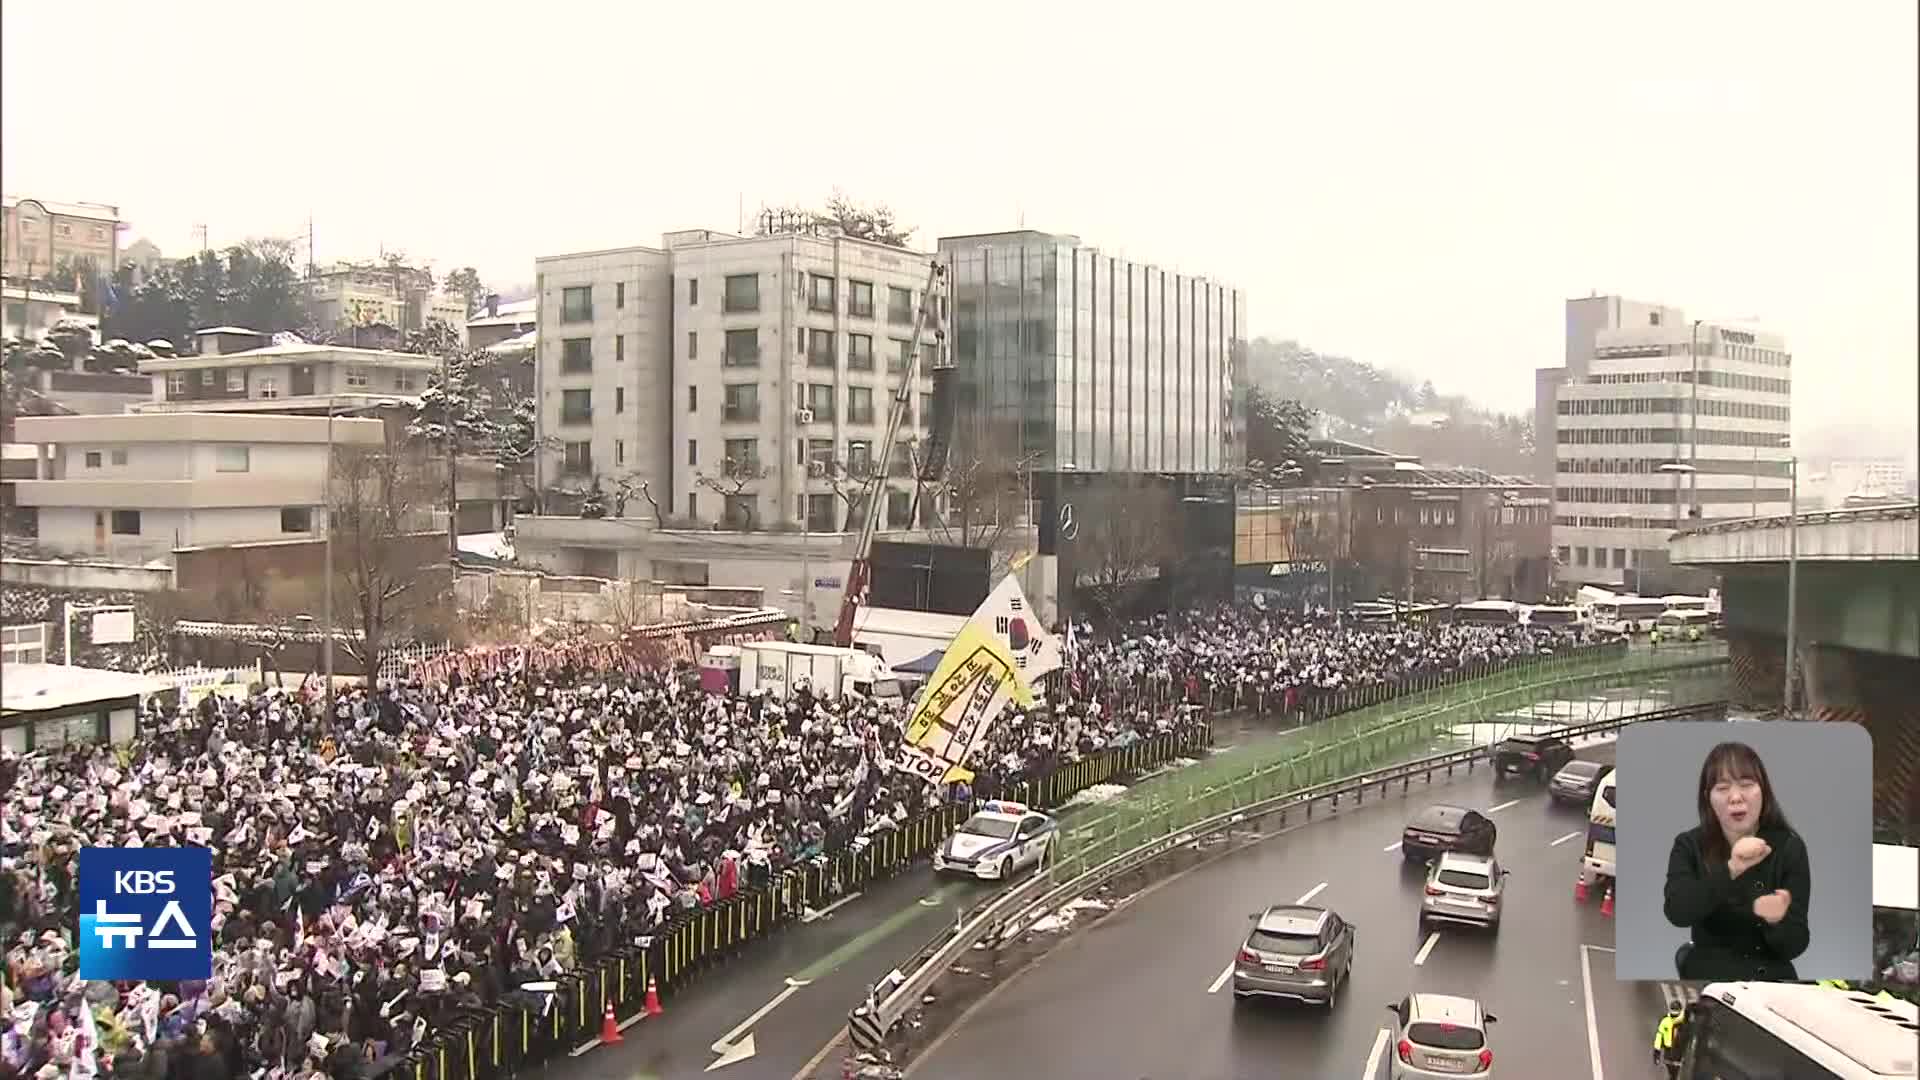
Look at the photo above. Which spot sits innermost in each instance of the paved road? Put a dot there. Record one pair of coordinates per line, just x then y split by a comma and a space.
1140, 995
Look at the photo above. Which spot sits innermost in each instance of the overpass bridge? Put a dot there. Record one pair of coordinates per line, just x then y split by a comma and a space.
1857, 625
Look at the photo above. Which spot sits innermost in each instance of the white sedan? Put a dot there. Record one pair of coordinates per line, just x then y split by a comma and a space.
996, 842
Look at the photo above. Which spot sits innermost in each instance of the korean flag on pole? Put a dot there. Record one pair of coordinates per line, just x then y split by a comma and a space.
1006, 615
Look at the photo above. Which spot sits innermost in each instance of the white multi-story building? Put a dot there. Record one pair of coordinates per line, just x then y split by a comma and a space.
282, 378
1642, 447
742, 379
1861, 478
136, 486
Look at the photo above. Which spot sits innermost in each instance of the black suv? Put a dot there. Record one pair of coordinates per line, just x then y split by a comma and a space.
1446, 828
1535, 756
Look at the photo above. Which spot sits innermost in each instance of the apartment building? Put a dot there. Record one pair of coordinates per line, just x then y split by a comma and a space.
37, 236
1656, 421
299, 378
745, 380
136, 486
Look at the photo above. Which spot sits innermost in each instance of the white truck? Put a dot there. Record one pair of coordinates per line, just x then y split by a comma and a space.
779, 667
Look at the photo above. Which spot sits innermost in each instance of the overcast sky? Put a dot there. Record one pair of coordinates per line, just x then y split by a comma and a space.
1419, 185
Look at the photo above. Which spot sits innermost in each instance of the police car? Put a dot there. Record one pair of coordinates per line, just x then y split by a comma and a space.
996, 842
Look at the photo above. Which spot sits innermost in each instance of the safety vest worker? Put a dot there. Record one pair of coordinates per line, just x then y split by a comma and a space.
1664, 1048
1693, 633
1653, 638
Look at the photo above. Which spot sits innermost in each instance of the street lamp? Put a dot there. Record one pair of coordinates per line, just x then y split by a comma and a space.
1793, 575
1678, 469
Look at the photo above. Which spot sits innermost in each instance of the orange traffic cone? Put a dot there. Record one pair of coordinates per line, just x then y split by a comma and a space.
1606, 905
610, 1028
1580, 889
653, 998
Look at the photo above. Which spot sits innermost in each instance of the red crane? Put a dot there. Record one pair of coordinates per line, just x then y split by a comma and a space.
860, 574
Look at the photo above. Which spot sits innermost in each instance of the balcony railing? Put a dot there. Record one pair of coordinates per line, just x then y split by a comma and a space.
576, 416
860, 311
741, 357
736, 414
859, 416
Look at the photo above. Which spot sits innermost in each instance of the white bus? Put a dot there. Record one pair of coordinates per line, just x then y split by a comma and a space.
1597, 864
1553, 617
1488, 613
1794, 1031
1627, 614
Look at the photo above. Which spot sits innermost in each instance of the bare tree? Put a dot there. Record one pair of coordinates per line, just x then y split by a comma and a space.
1126, 534
738, 486
984, 496
382, 497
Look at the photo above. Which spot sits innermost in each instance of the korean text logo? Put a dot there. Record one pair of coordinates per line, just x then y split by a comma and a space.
146, 913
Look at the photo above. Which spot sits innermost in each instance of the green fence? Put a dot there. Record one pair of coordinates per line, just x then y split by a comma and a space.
507, 1037
1362, 741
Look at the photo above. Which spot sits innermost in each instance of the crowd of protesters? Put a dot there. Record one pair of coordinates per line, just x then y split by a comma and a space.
426, 849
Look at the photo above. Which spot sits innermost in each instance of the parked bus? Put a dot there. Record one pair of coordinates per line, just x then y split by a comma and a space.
1627, 614
1553, 617
1597, 863
1488, 613
1684, 625
1753, 1030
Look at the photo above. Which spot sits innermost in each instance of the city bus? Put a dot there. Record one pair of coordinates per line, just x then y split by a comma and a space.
1552, 617
1597, 863
1764, 1031
1627, 614
1488, 613
1684, 625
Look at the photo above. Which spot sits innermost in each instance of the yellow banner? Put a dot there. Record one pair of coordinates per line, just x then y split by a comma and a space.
976, 680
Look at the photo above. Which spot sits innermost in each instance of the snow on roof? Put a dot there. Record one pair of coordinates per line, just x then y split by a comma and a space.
528, 340
38, 687
93, 211
491, 545
228, 330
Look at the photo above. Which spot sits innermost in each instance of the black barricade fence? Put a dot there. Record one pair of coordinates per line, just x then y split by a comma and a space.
517, 1033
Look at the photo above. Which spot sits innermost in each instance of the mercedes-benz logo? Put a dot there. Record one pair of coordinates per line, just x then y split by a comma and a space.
1069, 528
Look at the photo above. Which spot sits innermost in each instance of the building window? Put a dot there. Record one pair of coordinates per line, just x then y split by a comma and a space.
576, 304
693, 344
742, 293
860, 299
901, 463
860, 352
738, 510
899, 306
93, 459
693, 505
820, 401
859, 404
820, 513
357, 378
269, 387
619, 294
206, 376
176, 384
1580, 556
296, 519
231, 459
619, 399
926, 409
899, 510
576, 406
576, 356
118, 455
126, 523
860, 458
740, 401
693, 451
619, 348
619, 451
236, 381
819, 292
899, 356
1564, 554
742, 348
820, 348
693, 292
742, 458
1620, 558
25, 644
404, 381
693, 399
577, 459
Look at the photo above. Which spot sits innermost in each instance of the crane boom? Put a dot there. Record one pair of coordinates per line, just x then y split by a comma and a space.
860, 574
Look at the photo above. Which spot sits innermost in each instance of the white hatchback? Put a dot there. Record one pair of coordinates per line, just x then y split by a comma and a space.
1438, 1035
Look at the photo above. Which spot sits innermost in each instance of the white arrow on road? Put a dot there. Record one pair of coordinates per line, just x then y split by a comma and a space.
811, 915
735, 1046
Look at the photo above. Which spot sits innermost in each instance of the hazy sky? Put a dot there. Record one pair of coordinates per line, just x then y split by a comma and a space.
1419, 185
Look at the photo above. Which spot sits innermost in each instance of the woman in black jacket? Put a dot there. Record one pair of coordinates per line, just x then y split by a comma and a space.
1740, 880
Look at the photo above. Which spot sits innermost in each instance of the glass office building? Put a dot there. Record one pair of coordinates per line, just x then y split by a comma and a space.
1072, 360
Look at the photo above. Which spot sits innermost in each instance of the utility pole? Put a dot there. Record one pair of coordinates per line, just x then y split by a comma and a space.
1693, 423
309, 245
453, 457
202, 229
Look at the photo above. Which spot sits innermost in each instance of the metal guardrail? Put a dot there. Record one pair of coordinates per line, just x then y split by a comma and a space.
994, 921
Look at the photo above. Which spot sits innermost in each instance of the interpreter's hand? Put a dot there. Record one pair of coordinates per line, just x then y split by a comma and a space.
1747, 853
1773, 906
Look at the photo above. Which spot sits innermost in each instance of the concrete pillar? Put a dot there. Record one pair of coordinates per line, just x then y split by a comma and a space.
1876, 691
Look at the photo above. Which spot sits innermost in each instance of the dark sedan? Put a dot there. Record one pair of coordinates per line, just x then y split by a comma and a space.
1446, 828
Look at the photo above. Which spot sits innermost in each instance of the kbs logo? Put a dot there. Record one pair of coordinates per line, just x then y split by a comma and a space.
146, 913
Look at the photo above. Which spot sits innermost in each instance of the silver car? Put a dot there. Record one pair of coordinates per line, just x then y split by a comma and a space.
1463, 888
1438, 1035
1297, 952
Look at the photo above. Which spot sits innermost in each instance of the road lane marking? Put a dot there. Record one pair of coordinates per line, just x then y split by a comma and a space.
1564, 839
811, 914
737, 1045
1373, 1057
1395, 846
1420, 957
872, 936
1311, 893
1220, 980
1503, 806
1593, 1030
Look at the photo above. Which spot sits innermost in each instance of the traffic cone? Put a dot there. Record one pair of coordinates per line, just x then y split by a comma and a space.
1580, 889
653, 998
1606, 905
610, 1028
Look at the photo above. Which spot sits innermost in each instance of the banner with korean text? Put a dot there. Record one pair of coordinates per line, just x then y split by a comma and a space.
976, 680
